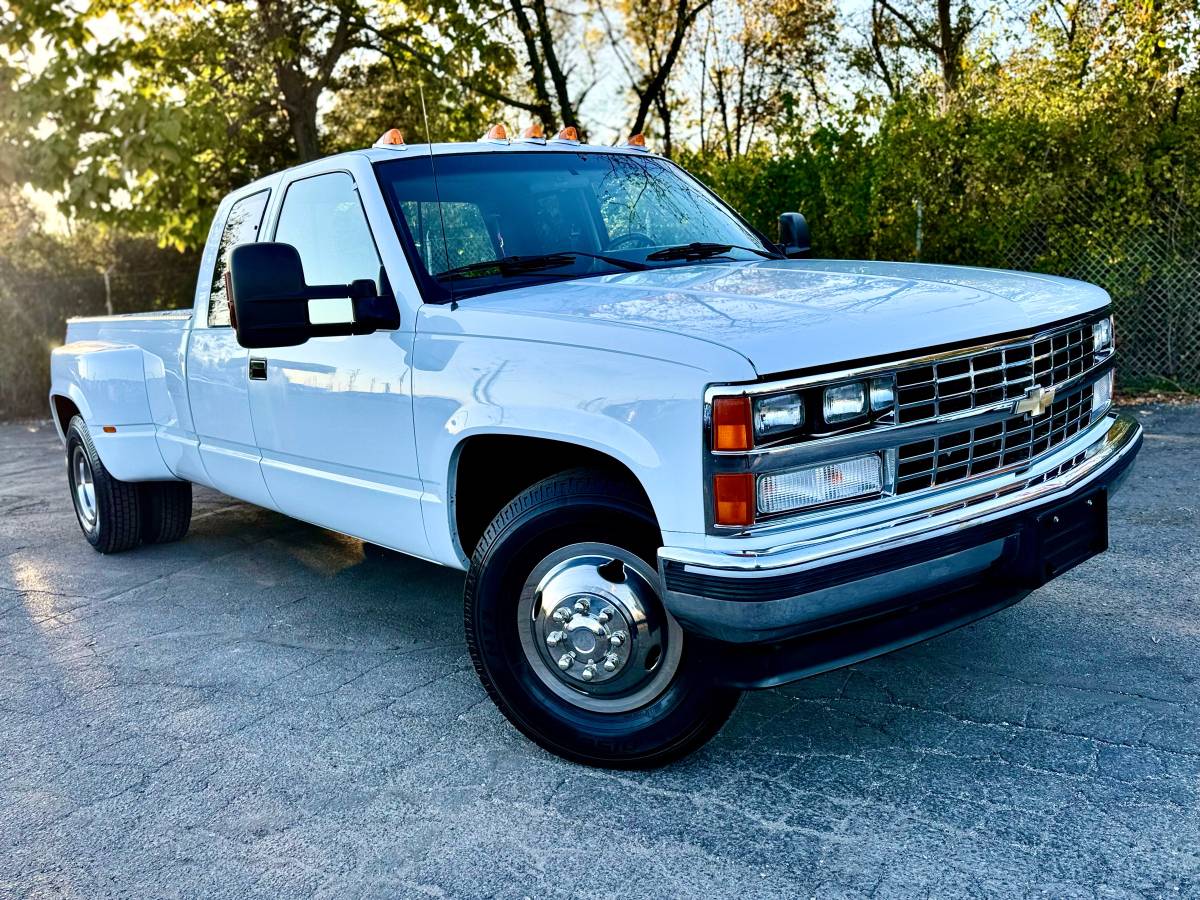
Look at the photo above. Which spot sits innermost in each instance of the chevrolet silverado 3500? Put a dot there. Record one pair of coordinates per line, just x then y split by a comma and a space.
676, 459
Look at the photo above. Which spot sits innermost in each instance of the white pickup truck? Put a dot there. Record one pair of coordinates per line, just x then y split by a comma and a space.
676, 459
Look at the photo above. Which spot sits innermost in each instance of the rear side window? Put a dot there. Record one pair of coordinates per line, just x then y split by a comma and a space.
245, 217
324, 220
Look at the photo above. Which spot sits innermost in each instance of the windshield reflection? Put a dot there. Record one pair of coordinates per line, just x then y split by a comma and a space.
492, 221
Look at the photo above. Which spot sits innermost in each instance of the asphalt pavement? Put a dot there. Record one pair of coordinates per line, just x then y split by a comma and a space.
262, 711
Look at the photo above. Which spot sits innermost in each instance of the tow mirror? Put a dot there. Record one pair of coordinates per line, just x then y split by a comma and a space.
794, 238
271, 305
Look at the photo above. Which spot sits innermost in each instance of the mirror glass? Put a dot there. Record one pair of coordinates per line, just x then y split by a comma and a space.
331, 312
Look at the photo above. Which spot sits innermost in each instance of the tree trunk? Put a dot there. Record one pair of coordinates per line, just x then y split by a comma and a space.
537, 73
558, 77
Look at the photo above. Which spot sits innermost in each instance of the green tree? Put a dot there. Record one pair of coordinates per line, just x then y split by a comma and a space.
144, 114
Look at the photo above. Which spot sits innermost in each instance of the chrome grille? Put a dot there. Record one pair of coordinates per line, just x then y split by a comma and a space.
981, 379
987, 448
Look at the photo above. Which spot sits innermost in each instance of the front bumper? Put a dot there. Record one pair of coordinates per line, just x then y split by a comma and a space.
864, 591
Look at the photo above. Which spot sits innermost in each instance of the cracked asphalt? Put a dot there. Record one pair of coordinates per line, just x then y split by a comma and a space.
262, 711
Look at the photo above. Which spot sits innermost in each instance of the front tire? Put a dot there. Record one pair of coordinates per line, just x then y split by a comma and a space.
569, 636
108, 510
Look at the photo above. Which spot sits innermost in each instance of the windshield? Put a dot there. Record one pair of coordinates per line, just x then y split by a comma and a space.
511, 219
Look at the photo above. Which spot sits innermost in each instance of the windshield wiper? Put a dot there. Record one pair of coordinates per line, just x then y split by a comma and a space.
517, 265
700, 250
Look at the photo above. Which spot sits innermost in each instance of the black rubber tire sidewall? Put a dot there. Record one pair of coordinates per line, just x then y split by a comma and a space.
567, 509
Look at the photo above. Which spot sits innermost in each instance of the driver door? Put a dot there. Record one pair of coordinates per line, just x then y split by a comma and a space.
333, 416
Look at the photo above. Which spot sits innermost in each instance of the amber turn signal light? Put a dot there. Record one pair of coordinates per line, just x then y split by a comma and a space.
731, 423
733, 499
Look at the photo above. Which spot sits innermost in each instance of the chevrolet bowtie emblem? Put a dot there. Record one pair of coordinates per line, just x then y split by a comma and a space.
1035, 402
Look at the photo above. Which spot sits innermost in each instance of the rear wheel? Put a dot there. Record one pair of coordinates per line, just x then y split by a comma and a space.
108, 510
569, 635
166, 510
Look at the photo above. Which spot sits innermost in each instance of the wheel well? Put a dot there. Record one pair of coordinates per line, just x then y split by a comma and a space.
64, 410
492, 469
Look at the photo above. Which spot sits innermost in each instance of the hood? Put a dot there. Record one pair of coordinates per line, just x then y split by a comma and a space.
785, 315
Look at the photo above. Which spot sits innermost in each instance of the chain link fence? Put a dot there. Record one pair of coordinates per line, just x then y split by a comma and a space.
33, 314
1151, 270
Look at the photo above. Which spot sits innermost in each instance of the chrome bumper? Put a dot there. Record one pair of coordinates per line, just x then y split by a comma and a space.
853, 574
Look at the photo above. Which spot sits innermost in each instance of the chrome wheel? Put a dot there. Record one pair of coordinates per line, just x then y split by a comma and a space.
595, 631
84, 489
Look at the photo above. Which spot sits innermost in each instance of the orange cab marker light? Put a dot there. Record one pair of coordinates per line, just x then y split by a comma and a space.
636, 142
110, 429
569, 135
390, 138
497, 134
731, 423
733, 499
535, 133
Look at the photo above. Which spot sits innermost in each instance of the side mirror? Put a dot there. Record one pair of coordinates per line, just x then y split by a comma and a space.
794, 238
270, 304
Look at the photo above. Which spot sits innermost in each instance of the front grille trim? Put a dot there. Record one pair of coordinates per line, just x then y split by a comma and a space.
1010, 444
933, 390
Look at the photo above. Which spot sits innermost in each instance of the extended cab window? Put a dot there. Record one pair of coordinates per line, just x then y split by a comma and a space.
324, 220
241, 227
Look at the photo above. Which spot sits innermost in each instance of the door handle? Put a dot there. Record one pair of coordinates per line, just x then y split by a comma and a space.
258, 369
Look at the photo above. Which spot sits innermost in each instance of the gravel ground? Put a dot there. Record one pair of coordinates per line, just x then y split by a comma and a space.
260, 711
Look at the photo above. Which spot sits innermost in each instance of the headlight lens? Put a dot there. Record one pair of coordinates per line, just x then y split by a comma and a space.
844, 402
778, 415
1102, 393
857, 476
1102, 335
883, 393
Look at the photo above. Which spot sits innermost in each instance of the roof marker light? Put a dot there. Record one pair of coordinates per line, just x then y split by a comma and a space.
391, 138
637, 142
534, 134
569, 135
497, 134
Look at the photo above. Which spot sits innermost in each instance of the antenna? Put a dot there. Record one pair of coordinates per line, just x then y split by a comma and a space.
424, 112
436, 194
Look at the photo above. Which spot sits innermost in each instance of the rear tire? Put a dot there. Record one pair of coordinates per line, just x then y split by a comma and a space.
108, 510
559, 572
166, 510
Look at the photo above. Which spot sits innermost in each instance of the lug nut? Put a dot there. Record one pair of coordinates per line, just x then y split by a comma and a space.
554, 637
611, 662
582, 605
589, 672
564, 661
562, 615
605, 615
617, 638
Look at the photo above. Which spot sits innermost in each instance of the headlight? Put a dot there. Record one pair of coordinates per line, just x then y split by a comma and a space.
1102, 335
1102, 393
844, 402
858, 476
883, 393
778, 415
